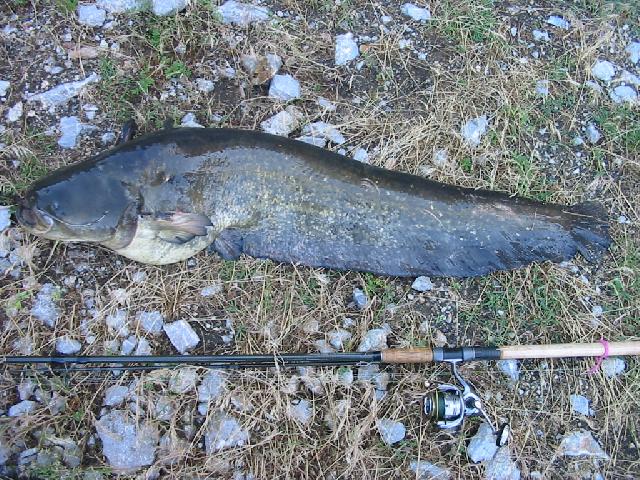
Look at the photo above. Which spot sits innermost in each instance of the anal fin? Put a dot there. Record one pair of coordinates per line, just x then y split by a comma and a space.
228, 244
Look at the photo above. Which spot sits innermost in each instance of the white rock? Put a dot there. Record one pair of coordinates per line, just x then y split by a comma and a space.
26, 388
338, 337
5, 218
360, 298
390, 431
580, 404
482, 446
213, 385
22, 408
301, 411
242, 14
623, 93
502, 467
324, 130
581, 443
540, 36
163, 8
424, 470
386, 19
317, 141
374, 340
345, 376
361, 155
121, 6
558, 22
542, 88
284, 87
440, 157
14, 113
183, 380
627, 77
593, 134
164, 409
151, 322
5, 451
346, 49
204, 85
327, 104
70, 129
127, 443
4, 86
117, 322
595, 86
90, 110
128, 345
224, 431
422, 284
189, 120
323, 346
283, 123
474, 130
108, 138
613, 366
45, 308
64, 92
371, 373
91, 15
67, 346
143, 347
182, 335
115, 395
510, 368
419, 14
603, 70
633, 50
597, 311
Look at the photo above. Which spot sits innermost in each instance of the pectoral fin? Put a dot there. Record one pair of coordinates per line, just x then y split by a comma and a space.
179, 227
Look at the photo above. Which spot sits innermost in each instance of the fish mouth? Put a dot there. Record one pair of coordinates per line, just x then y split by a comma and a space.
34, 220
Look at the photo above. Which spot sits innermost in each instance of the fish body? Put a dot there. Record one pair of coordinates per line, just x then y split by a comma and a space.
165, 196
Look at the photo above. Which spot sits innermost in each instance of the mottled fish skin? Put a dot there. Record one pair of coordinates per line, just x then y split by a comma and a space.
272, 197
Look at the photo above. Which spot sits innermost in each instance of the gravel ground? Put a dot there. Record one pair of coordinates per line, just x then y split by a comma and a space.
537, 99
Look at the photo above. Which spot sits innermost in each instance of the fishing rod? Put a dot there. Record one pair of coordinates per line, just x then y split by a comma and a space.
449, 405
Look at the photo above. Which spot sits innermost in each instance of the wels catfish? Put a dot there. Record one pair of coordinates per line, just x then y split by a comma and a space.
165, 196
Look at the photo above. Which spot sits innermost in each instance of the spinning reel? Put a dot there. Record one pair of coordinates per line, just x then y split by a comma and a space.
449, 405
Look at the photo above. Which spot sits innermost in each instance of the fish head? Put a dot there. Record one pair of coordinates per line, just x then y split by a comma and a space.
82, 205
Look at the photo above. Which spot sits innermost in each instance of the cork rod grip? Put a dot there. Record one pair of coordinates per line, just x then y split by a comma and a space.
569, 350
407, 355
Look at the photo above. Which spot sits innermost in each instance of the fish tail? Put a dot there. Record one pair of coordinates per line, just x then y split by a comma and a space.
589, 229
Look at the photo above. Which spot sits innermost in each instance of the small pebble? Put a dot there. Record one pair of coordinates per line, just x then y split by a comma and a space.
510, 368
419, 14
182, 335
474, 130
580, 404
346, 49
284, 87
360, 298
558, 22
91, 15
422, 284
67, 346
391, 431
603, 70
613, 366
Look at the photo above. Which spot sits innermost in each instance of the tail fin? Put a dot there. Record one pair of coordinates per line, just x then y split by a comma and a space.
590, 229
